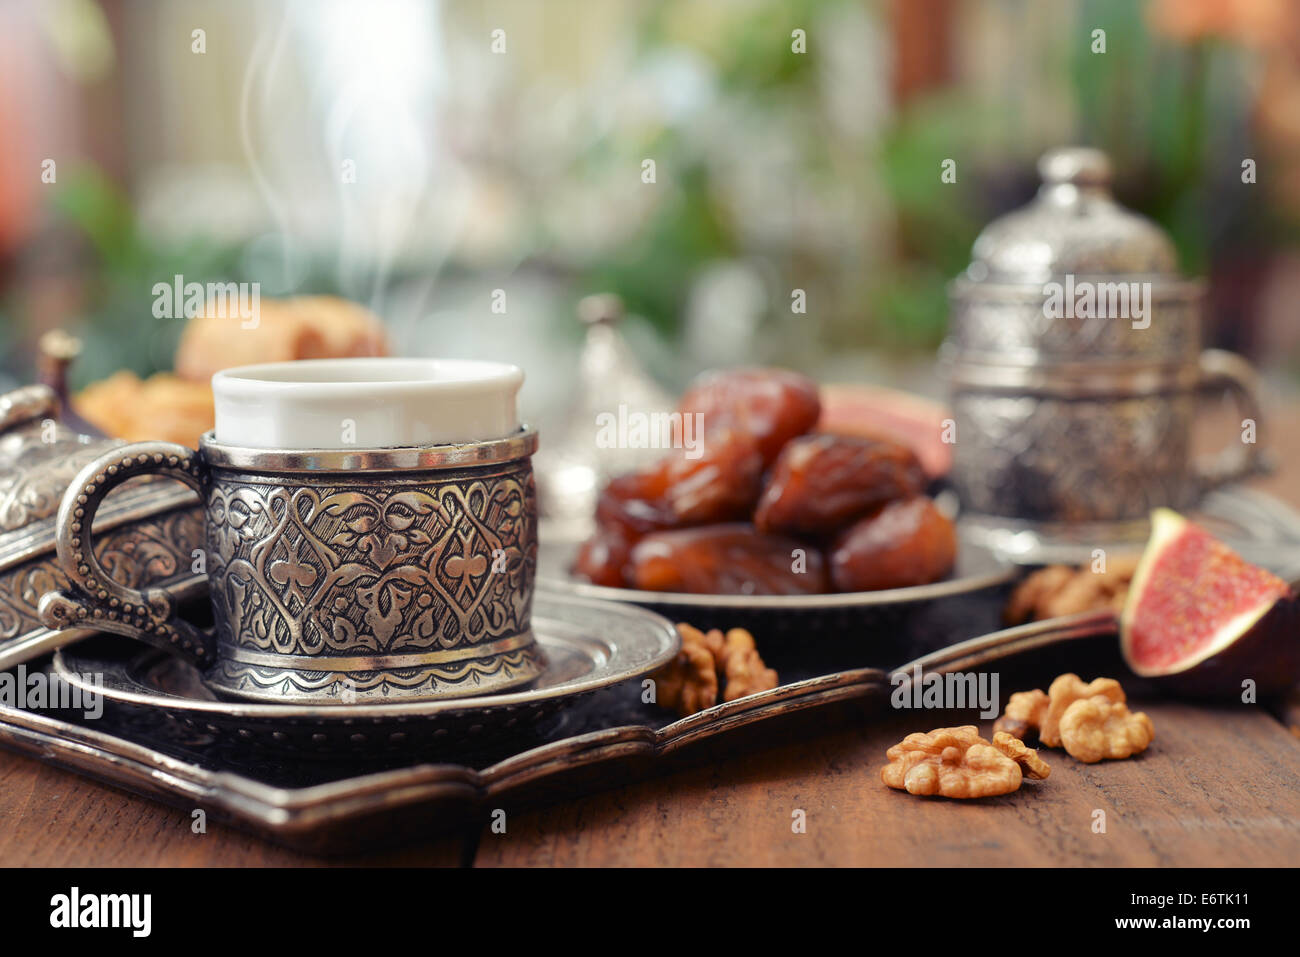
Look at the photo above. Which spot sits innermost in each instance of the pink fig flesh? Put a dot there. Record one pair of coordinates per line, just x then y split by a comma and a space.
1202, 619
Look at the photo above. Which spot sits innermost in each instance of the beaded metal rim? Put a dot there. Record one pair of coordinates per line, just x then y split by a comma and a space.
489, 452
113, 603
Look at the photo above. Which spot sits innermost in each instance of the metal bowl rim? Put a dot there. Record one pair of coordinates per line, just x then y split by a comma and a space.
519, 445
827, 602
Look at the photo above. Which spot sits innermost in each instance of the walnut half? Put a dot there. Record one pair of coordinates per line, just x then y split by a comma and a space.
952, 762
1059, 590
688, 683
1030, 763
1098, 727
1024, 714
745, 671
1063, 692
691, 682
1100, 724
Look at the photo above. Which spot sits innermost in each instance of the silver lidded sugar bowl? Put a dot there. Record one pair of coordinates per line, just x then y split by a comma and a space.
1074, 365
147, 532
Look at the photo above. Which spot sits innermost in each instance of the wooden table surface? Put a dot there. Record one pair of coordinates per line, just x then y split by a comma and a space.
1172, 806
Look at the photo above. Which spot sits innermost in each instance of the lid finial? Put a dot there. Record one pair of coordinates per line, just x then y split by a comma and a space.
605, 307
1077, 165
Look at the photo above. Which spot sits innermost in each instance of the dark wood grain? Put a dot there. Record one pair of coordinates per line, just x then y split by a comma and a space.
1216, 787
51, 817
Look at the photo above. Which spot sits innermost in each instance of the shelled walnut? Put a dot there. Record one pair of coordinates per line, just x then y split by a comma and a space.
688, 683
1024, 714
951, 762
1030, 763
1091, 721
1063, 692
1059, 590
1096, 728
707, 659
744, 670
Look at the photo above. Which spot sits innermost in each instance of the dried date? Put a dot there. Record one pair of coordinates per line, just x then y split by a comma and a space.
721, 485
772, 406
601, 558
732, 559
820, 483
634, 504
907, 542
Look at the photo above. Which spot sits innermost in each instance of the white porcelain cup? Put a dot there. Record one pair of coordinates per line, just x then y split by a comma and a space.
375, 403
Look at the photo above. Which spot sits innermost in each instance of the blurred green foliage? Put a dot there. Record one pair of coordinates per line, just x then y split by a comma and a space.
653, 272
119, 328
1175, 119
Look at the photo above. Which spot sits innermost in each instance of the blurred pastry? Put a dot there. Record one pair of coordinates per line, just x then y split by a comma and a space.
309, 327
160, 407
178, 407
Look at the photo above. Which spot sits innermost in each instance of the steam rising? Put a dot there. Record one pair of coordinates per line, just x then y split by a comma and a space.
347, 149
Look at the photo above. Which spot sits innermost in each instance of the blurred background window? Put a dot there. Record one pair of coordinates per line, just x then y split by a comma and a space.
418, 157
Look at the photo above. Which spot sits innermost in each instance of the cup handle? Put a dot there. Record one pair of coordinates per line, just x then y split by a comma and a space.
95, 600
1226, 371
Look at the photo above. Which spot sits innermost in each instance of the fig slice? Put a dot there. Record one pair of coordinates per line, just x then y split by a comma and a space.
1203, 620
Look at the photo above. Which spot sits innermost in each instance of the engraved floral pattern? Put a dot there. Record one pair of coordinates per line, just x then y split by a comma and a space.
1015, 329
1038, 457
147, 552
35, 468
402, 565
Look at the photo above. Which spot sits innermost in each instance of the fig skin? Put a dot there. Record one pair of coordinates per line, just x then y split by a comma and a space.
1268, 653
877, 412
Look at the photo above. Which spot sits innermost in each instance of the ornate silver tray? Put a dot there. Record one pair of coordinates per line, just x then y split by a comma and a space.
603, 739
338, 811
587, 646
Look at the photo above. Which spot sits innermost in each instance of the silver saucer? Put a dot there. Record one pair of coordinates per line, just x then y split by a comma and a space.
588, 645
1259, 527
